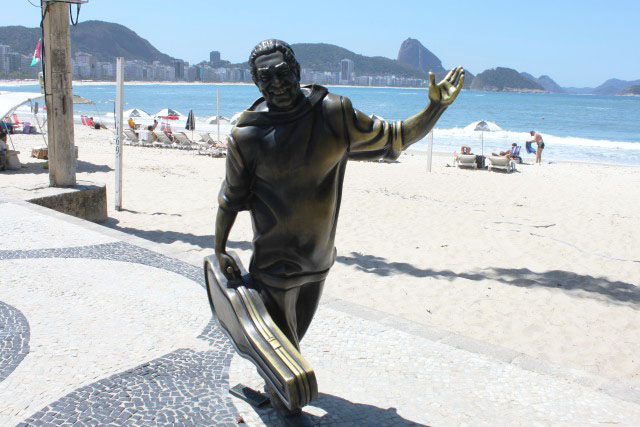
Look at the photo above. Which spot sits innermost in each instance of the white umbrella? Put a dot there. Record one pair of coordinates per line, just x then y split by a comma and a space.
169, 114
214, 120
483, 127
137, 112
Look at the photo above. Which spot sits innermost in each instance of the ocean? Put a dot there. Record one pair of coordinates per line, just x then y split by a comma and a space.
600, 129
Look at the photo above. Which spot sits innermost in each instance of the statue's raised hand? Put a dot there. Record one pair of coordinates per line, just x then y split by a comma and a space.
447, 90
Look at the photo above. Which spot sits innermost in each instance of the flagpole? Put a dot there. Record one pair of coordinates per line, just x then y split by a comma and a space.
218, 111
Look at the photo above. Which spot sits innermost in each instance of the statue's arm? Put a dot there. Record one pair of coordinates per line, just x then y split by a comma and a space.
233, 197
224, 222
374, 138
441, 95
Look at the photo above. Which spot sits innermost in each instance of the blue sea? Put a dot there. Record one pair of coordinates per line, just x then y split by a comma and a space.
602, 129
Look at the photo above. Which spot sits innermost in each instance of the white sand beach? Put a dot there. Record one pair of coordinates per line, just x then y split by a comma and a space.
544, 261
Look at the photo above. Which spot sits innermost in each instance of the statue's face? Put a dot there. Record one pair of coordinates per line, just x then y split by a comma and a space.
277, 82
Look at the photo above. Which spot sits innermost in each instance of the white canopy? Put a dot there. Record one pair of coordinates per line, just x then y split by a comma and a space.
214, 120
9, 101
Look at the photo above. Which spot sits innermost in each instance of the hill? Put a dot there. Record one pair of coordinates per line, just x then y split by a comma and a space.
545, 81
105, 40
322, 56
504, 79
631, 91
614, 86
327, 57
413, 53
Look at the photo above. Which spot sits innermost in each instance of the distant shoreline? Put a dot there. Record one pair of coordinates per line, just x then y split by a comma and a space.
146, 83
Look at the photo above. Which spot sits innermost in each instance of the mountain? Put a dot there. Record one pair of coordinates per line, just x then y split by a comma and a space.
105, 40
631, 91
327, 57
504, 79
614, 86
545, 81
413, 53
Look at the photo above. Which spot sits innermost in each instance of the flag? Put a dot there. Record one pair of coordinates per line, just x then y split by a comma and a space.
36, 54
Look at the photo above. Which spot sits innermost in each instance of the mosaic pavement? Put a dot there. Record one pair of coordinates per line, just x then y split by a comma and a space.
96, 330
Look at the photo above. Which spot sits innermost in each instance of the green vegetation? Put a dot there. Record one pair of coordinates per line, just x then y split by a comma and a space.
503, 79
327, 57
104, 40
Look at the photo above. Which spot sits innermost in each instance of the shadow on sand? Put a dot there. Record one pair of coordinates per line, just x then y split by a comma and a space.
168, 236
601, 288
338, 411
81, 167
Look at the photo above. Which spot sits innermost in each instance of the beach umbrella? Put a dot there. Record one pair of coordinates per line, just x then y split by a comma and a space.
214, 120
482, 127
169, 114
191, 123
136, 112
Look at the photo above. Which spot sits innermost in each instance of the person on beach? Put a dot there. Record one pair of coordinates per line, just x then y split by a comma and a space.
286, 160
505, 153
537, 138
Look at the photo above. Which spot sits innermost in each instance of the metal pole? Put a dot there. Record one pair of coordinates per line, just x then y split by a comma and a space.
218, 111
430, 150
58, 94
119, 129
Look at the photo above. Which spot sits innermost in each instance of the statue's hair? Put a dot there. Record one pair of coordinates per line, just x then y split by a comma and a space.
266, 47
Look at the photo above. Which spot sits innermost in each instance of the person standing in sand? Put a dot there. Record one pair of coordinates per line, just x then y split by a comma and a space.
286, 160
537, 138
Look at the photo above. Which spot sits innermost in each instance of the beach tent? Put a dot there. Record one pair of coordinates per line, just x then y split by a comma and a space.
10, 101
136, 112
213, 120
169, 114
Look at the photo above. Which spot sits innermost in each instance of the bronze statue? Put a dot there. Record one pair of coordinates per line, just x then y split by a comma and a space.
286, 160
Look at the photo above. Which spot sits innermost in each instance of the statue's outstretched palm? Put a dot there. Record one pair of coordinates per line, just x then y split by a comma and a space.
447, 90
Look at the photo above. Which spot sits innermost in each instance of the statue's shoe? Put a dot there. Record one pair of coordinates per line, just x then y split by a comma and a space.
242, 315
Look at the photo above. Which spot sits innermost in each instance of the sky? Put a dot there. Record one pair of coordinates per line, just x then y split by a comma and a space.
576, 42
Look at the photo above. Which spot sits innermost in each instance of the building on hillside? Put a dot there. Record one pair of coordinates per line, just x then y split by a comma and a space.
214, 56
4, 59
179, 66
347, 71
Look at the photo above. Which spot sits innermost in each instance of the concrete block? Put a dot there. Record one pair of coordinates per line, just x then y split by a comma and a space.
84, 200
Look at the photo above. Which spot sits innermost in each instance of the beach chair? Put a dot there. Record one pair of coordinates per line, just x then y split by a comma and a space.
163, 139
83, 119
17, 124
183, 141
505, 163
465, 161
132, 138
205, 137
515, 154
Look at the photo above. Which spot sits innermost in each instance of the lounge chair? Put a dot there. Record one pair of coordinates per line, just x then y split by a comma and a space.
183, 141
466, 160
131, 137
502, 162
206, 137
163, 139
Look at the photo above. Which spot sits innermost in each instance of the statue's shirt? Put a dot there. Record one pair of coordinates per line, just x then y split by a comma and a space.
287, 169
